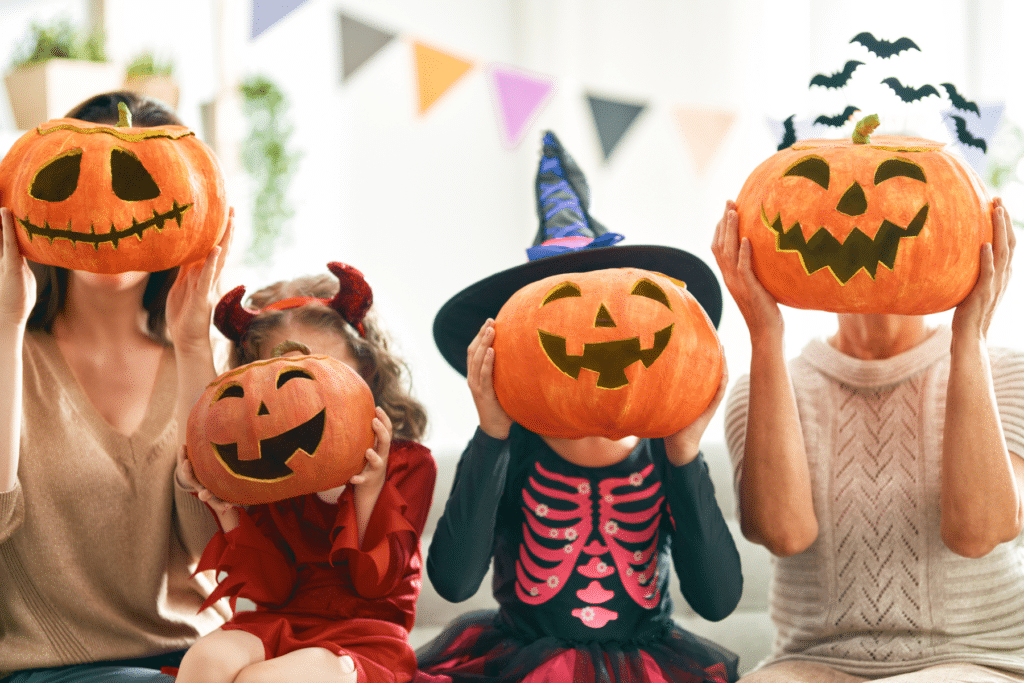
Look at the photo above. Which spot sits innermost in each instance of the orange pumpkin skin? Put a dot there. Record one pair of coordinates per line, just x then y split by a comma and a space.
95, 210
897, 178
279, 428
645, 356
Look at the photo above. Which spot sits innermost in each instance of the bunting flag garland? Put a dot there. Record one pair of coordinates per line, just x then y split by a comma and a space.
520, 96
266, 13
436, 72
969, 132
704, 130
612, 119
359, 42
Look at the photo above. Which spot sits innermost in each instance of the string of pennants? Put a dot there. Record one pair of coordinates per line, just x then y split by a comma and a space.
520, 95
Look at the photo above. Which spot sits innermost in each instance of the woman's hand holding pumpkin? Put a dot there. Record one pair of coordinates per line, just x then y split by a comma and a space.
191, 299
17, 283
683, 446
759, 308
494, 421
974, 314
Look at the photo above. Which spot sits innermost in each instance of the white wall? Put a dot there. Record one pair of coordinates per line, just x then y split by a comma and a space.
427, 205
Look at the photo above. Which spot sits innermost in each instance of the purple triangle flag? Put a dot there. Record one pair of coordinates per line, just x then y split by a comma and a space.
520, 96
266, 13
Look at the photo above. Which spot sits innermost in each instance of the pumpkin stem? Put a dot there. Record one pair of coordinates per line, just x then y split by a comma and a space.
289, 345
864, 128
124, 116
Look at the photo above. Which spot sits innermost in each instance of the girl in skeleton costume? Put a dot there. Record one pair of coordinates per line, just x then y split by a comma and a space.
584, 533
334, 575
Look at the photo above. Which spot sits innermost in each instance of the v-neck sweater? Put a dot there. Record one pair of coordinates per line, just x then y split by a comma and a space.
97, 542
878, 593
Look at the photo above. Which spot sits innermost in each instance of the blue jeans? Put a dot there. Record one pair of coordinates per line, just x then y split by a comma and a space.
129, 671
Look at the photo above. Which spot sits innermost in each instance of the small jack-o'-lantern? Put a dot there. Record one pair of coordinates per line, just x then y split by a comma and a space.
614, 352
279, 428
111, 199
887, 224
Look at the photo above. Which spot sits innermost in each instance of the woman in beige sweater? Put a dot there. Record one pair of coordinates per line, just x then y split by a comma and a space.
97, 540
882, 468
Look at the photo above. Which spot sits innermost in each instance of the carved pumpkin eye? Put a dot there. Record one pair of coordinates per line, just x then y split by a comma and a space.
292, 373
898, 168
813, 168
562, 291
231, 391
129, 178
58, 179
652, 291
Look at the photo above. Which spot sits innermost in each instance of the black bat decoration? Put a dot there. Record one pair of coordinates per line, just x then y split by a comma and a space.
908, 93
839, 119
883, 48
789, 136
959, 101
965, 136
839, 78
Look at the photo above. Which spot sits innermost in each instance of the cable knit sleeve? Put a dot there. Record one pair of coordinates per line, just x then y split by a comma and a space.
12, 511
1008, 382
736, 427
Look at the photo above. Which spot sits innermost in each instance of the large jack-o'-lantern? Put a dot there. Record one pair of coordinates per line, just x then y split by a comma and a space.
886, 224
614, 352
113, 198
279, 428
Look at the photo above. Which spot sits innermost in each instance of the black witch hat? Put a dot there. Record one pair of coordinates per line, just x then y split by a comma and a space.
568, 241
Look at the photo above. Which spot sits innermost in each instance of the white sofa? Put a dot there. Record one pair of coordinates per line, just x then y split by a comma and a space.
747, 631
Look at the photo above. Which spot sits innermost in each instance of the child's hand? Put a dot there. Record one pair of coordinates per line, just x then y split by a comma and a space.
494, 421
227, 513
369, 483
184, 475
192, 296
17, 283
683, 446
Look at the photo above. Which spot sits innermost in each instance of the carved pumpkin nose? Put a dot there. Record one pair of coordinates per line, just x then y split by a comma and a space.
263, 409
604, 318
853, 203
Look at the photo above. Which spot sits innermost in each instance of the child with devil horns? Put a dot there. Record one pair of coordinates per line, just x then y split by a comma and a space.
334, 575
584, 533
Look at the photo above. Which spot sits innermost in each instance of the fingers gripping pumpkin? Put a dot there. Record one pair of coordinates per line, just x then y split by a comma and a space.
614, 352
890, 224
111, 199
279, 428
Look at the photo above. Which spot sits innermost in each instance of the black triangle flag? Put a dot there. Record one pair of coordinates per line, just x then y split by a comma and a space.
612, 119
359, 42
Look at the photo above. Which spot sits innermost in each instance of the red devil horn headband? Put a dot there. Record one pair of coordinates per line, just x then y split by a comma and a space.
352, 301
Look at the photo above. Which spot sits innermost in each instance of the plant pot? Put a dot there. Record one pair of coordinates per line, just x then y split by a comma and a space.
45, 91
163, 88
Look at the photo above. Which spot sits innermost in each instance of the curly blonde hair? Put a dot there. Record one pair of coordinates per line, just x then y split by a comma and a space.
385, 373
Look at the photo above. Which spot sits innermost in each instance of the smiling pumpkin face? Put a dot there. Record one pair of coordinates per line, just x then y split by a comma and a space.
894, 225
112, 199
611, 353
279, 428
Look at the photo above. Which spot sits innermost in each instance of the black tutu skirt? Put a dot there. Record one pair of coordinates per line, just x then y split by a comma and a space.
473, 649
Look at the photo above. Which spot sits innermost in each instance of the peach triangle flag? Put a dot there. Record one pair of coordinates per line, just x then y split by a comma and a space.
703, 130
436, 72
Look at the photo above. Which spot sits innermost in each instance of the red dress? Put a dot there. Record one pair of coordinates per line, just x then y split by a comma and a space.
299, 560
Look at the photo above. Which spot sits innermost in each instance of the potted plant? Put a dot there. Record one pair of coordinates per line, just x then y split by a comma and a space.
148, 75
56, 67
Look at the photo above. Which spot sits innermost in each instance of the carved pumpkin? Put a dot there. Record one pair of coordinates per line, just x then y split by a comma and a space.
279, 428
890, 224
112, 199
614, 352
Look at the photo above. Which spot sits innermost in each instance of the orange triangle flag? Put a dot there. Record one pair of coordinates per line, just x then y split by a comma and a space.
704, 130
436, 72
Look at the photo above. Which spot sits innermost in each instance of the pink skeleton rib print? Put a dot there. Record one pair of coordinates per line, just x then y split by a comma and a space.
612, 526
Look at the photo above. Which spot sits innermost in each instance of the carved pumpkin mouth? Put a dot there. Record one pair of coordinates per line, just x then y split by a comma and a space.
114, 236
609, 359
275, 452
844, 259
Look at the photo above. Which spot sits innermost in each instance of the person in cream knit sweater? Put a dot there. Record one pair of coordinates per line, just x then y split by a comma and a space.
882, 468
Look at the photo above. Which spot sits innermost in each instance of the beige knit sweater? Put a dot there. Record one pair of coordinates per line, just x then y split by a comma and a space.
97, 544
878, 593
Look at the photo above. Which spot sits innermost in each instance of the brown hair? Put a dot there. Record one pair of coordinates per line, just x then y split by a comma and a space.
52, 281
384, 372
